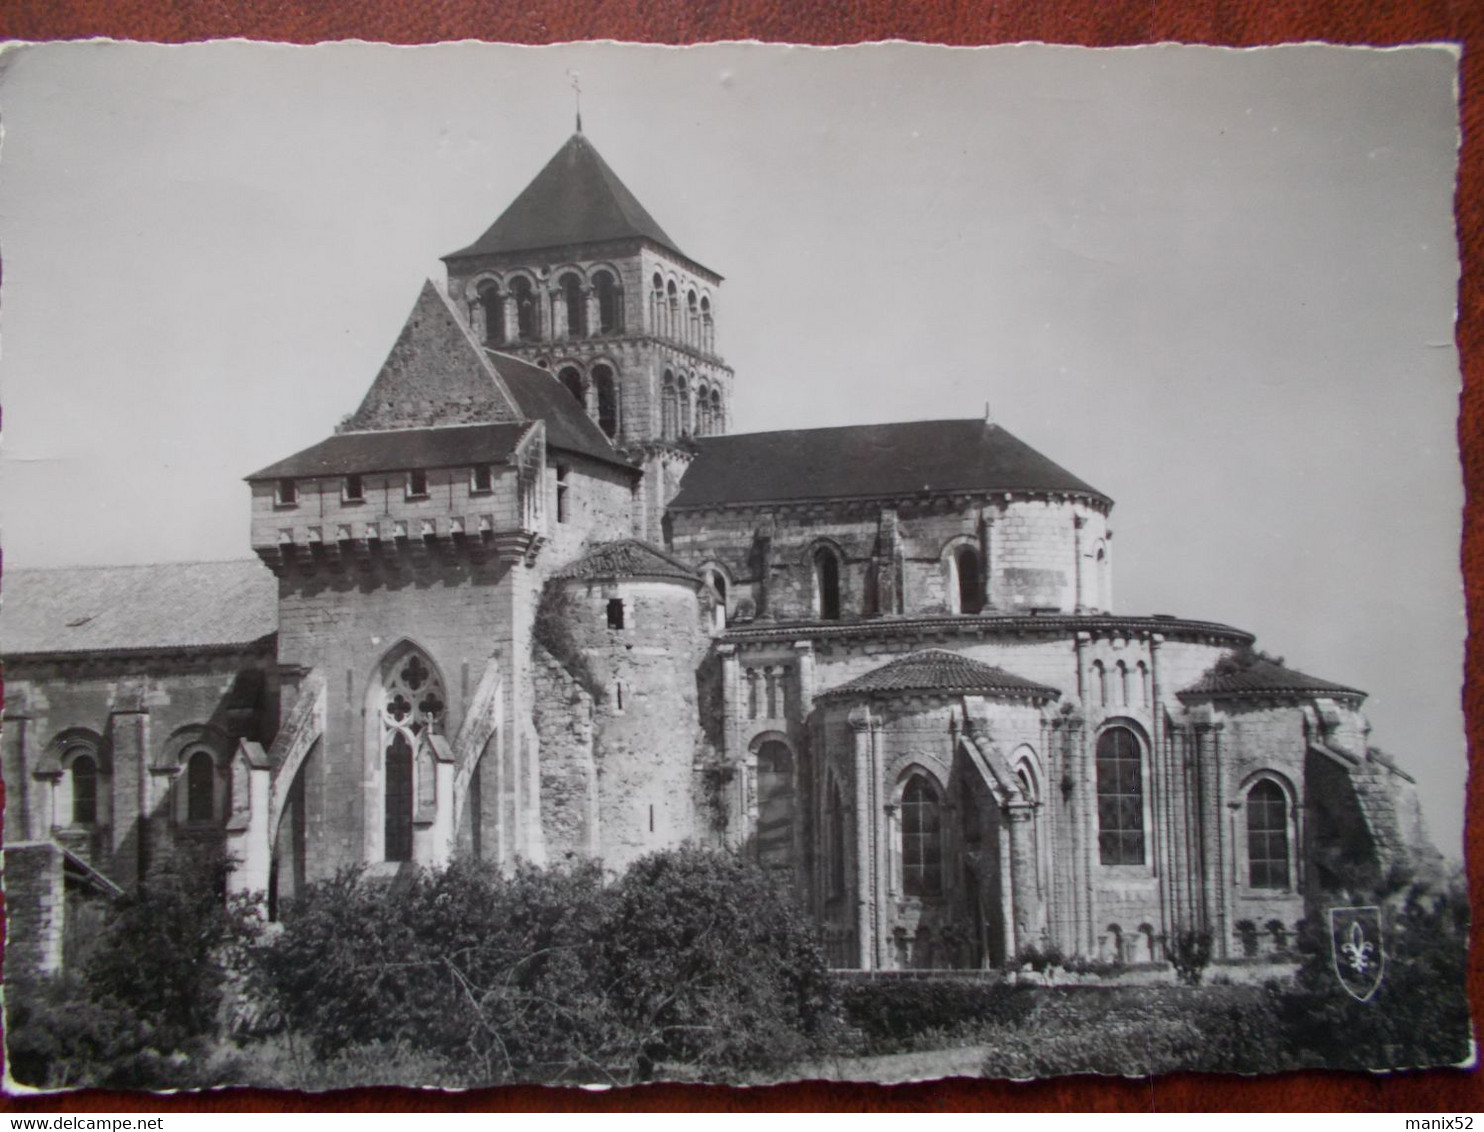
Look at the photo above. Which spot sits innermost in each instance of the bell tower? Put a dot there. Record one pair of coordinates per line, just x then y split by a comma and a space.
578, 278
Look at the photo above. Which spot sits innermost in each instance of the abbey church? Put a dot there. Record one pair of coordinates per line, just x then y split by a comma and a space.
532, 600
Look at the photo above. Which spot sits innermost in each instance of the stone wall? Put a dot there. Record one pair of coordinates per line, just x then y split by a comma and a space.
898, 558
35, 909
140, 716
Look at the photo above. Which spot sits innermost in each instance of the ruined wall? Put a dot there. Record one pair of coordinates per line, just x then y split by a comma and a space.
647, 736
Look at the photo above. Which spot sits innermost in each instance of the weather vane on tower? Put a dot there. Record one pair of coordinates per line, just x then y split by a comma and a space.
577, 93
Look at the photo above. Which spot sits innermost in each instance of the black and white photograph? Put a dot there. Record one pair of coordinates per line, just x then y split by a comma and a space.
596, 564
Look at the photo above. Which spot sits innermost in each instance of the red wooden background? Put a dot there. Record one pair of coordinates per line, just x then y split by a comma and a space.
1087, 22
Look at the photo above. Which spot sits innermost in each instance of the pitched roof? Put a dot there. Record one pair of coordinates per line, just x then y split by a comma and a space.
907, 458
539, 395
136, 608
434, 374
628, 558
938, 670
348, 453
436, 384
1263, 679
575, 199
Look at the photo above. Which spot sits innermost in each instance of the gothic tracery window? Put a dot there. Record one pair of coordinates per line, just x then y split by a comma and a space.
412, 705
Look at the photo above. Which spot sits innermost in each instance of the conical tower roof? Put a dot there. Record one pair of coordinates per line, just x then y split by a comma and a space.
576, 199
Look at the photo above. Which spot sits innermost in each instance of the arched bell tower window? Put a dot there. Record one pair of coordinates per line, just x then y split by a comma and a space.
576, 305
686, 424
527, 317
703, 410
718, 422
572, 380
1120, 775
970, 579
669, 408
610, 303
492, 303
708, 329
607, 391
922, 839
826, 584
412, 705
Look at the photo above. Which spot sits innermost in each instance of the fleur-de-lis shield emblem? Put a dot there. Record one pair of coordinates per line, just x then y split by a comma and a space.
1357, 950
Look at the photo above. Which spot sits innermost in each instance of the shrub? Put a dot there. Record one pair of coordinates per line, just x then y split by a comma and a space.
1419, 1014
150, 996
710, 965
1191, 955
461, 963
1247, 936
889, 1013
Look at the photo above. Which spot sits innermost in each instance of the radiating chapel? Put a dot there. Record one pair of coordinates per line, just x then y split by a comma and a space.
532, 599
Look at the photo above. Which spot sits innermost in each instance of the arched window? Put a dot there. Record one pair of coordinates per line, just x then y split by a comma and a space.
672, 310
610, 303
656, 303
1143, 684
576, 304
1100, 682
493, 305
1122, 684
607, 392
692, 318
970, 580
922, 840
718, 585
201, 787
412, 703
826, 584
708, 330
686, 425
1120, 773
834, 842
703, 410
527, 317
718, 422
1267, 835
84, 771
775, 805
669, 409
573, 381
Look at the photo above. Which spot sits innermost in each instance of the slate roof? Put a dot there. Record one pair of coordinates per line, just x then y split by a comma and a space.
538, 394
575, 199
1264, 679
900, 459
628, 558
348, 453
174, 605
938, 670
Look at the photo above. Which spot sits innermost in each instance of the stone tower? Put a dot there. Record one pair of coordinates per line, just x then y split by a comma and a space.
577, 277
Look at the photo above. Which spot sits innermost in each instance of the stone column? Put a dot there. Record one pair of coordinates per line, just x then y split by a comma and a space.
1080, 599
986, 559
138, 790
594, 312
477, 321
556, 302
860, 726
804, 652
730, 709
1024, 899
511, 315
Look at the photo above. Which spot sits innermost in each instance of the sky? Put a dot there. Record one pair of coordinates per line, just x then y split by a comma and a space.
1218, 285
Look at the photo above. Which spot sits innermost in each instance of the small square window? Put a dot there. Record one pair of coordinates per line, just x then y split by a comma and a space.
352, 490
287, 494
479, 480
417, 484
